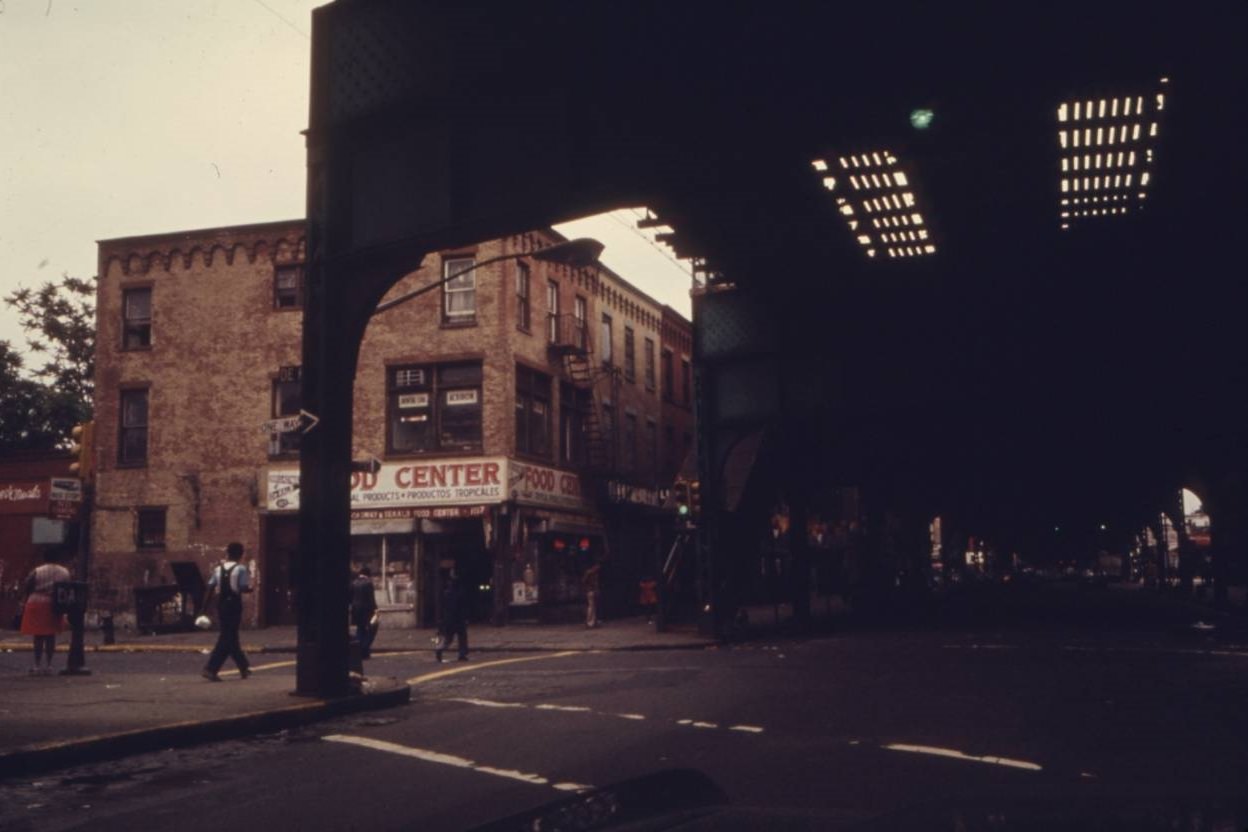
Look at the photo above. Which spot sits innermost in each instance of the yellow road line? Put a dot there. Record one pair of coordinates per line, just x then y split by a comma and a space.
464, 668
255, 667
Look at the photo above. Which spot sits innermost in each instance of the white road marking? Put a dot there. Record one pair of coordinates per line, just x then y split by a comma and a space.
958, 755
486, 703
583, 709
451, 760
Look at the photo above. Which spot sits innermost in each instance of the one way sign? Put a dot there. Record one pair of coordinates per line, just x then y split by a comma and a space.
301, 423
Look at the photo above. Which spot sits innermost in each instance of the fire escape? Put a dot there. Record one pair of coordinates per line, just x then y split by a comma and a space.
569, 341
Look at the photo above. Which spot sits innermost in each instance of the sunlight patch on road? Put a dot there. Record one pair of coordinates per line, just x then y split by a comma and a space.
954, 754
749, 729
438, 757
581, 709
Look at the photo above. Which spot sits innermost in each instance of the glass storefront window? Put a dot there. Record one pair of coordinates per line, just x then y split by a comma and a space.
390, 559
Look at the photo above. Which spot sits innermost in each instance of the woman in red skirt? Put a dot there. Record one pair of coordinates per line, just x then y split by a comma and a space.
38, 620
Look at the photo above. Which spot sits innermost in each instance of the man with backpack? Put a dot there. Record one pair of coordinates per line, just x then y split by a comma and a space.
229, 580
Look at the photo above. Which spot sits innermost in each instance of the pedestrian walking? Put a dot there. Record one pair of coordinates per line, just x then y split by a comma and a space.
364, 610
229, 580
591, 582
39, 619
454, 619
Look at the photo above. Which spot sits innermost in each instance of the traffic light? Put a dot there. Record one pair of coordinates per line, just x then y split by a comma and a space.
83, 447
680, 496
695, 500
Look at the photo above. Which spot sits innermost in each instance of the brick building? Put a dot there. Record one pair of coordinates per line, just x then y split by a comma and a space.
523, 415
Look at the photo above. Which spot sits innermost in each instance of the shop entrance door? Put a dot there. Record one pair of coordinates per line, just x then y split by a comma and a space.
281, 545
469, 557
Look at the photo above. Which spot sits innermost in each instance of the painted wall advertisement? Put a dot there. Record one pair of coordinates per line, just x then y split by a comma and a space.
417, 489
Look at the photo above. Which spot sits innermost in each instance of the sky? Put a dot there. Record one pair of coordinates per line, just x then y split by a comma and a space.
132, 117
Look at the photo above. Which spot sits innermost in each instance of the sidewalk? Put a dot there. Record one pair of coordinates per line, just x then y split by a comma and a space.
49, 722
618, 634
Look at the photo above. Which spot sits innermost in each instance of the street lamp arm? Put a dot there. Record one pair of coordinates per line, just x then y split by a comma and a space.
382, 307
577, 253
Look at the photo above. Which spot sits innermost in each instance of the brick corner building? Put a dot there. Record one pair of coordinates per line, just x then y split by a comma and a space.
529, 418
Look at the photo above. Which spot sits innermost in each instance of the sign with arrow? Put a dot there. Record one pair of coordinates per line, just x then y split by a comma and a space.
302, 423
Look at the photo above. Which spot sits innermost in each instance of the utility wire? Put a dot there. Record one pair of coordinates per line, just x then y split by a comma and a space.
281, 17
660, 249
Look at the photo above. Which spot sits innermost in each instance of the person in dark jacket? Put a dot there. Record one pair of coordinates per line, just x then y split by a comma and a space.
454, 619
364, 610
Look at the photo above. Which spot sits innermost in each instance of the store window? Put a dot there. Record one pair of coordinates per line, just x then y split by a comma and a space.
137, 319
288, 287
434, 408
390, 559
532, 412
459, 294
132, 443
149, 528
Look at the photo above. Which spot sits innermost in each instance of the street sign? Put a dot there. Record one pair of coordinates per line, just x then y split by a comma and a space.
311, 418
303, 422
286, 424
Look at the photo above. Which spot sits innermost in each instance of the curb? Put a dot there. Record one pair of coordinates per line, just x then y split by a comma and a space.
34, 759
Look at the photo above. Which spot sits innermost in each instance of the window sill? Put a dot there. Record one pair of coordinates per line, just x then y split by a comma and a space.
466, 323
125, 465
148, 348
287, 308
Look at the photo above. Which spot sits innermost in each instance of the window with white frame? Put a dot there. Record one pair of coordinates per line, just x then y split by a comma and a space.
459, 293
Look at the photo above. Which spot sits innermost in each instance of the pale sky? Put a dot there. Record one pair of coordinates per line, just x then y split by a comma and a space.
128, 117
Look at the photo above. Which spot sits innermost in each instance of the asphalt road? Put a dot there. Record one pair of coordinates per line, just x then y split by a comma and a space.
1003, 728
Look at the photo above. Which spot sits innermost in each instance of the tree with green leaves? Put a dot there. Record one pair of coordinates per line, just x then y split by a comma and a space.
39, 407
